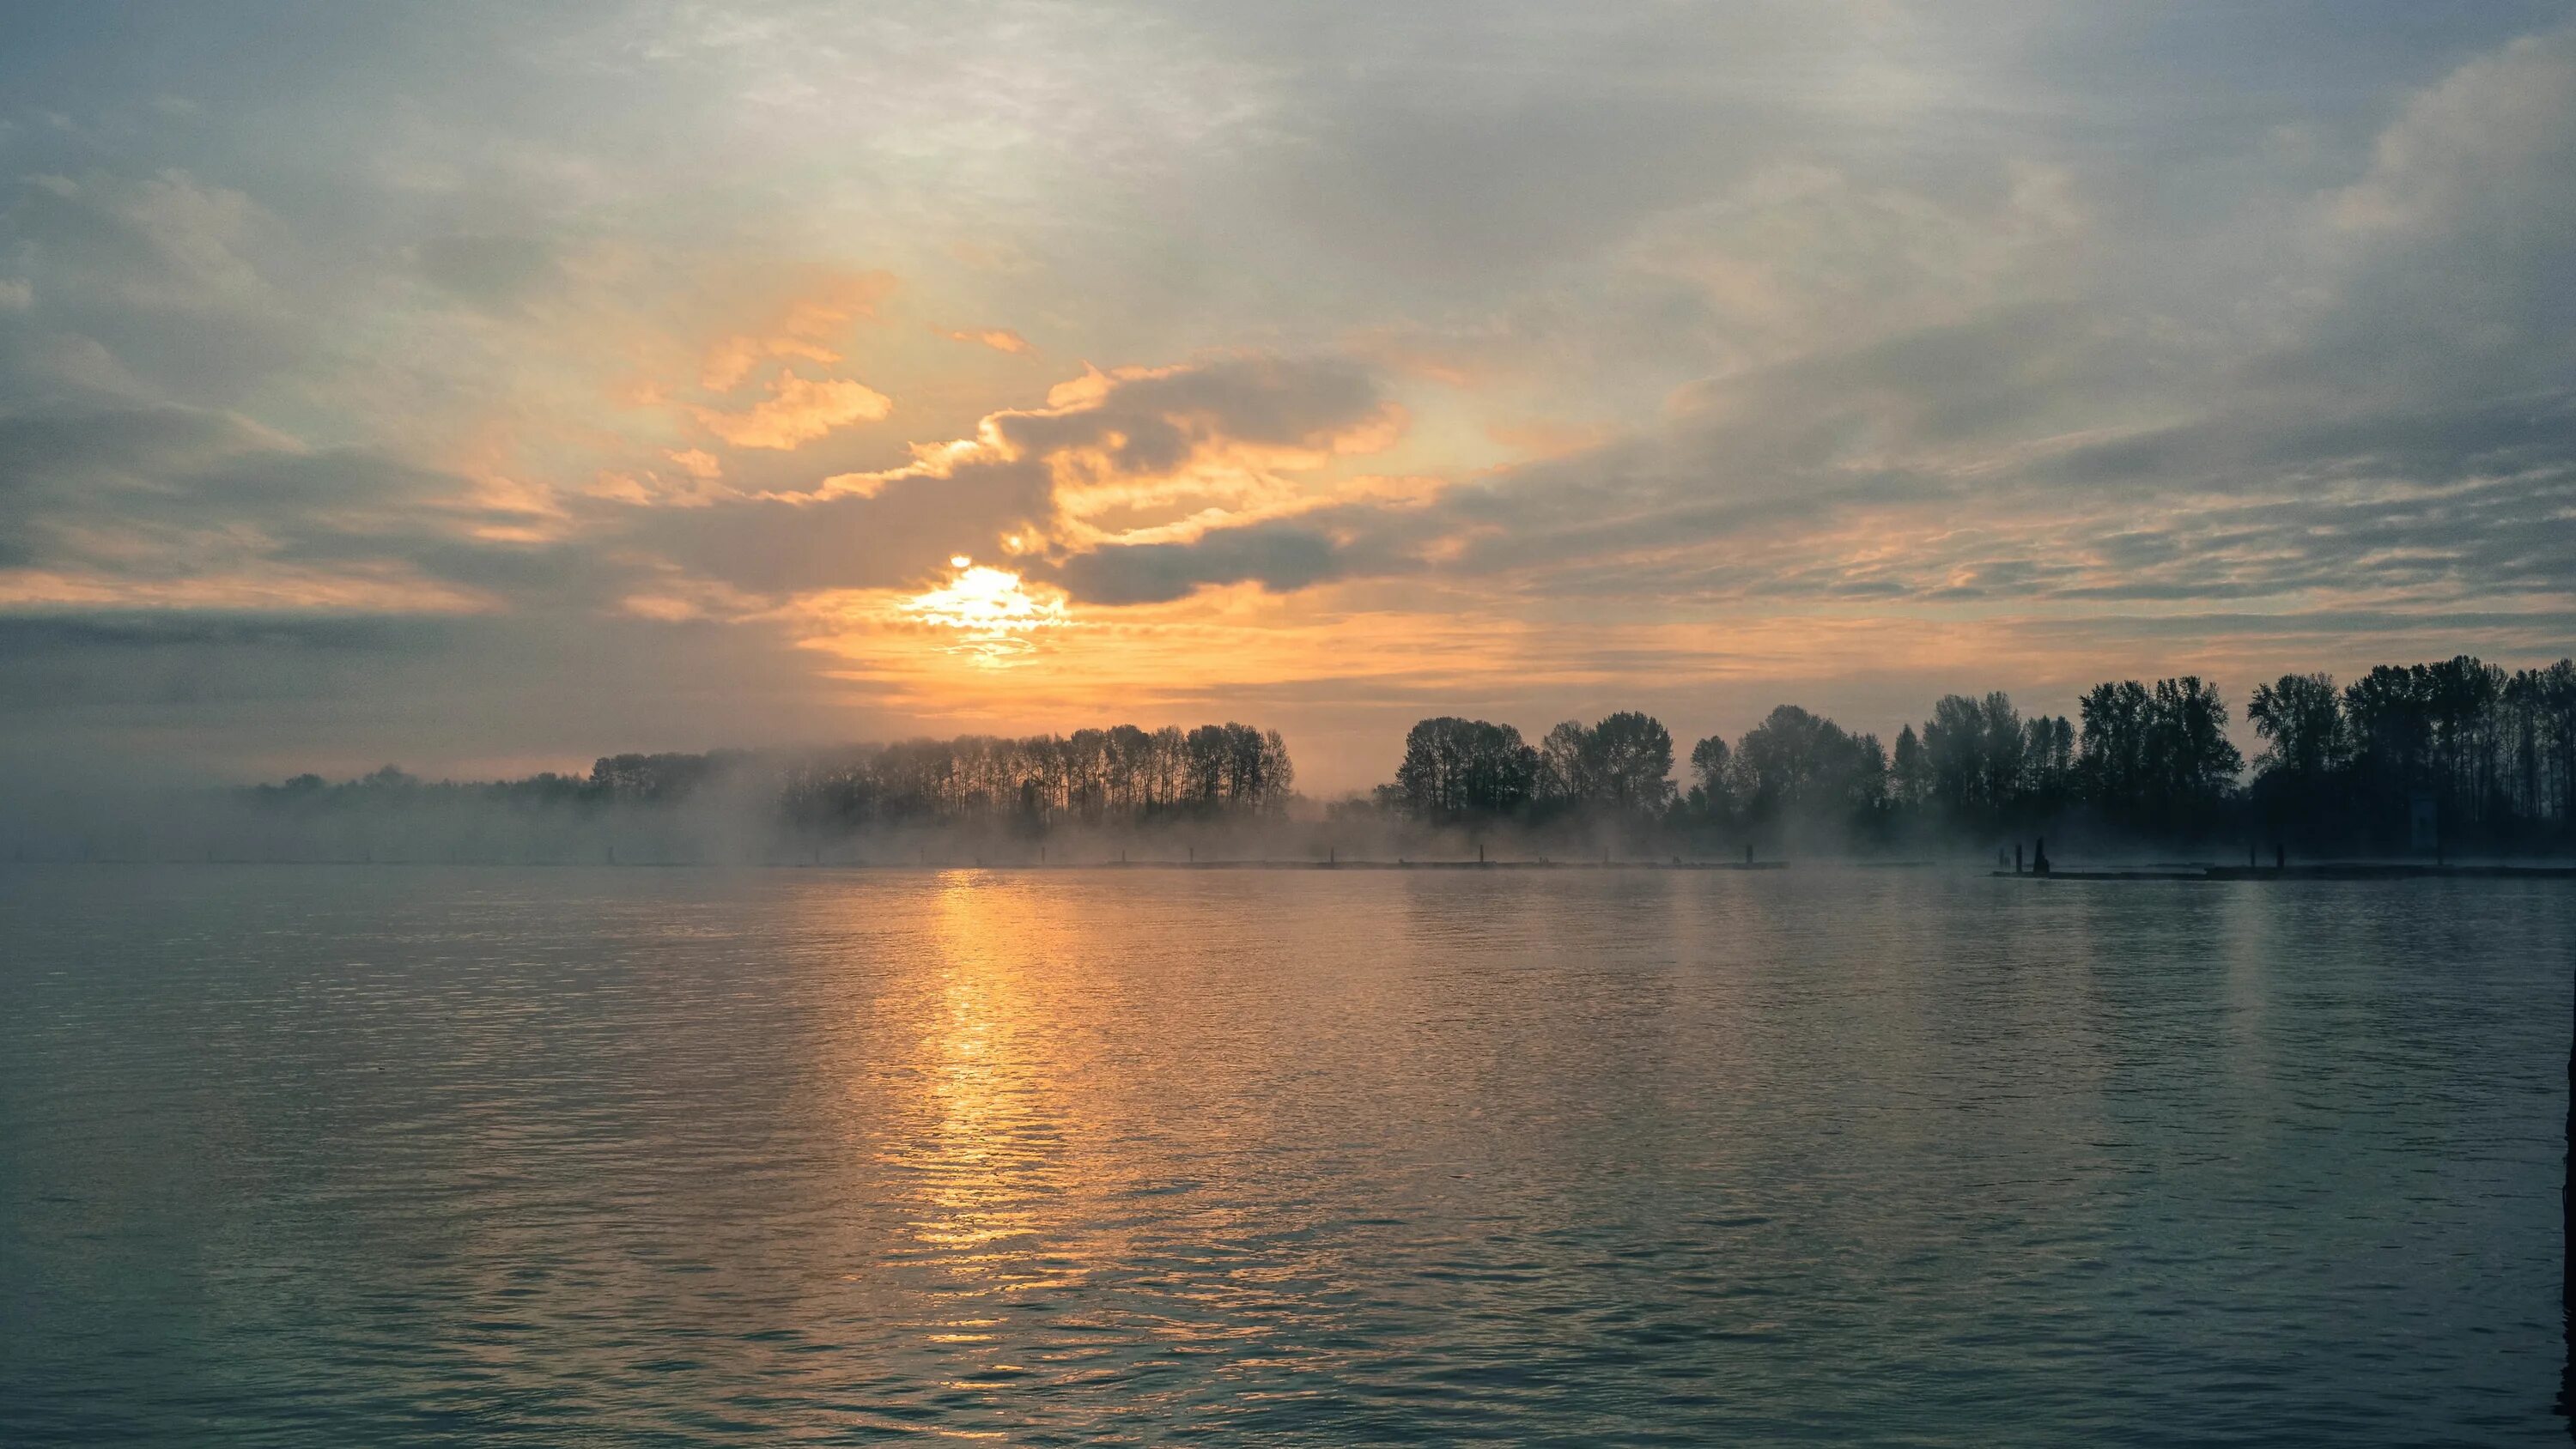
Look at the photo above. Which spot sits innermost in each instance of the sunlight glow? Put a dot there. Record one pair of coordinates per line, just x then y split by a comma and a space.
994, 615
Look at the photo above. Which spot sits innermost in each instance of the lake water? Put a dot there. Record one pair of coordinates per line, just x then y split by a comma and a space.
347, 1155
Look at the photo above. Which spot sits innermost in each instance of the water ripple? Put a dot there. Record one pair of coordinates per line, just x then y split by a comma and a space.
339, 1156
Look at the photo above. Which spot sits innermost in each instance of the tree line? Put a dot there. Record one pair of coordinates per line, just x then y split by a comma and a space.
2494, 751
1455, 768
2494, 754
1119, 775
2352, 767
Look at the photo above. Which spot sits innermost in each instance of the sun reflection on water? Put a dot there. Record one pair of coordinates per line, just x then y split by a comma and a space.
1054, 1205
986, 1157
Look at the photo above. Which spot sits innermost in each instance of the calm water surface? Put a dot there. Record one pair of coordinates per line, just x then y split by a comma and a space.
340, 1155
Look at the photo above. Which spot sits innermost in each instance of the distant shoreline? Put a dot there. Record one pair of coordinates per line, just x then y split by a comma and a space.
2330, 871
1010, 865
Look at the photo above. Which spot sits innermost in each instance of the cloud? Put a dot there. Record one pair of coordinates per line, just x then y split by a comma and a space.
697, 463
1157, 444
152, 285
797, 411
2481, 145
24, 636
1120, 461
487, 270
1000, 339
1596, 352
1279, 557
165, 241
1925, 419
802, 328
349, 588
197, 509
2442, 271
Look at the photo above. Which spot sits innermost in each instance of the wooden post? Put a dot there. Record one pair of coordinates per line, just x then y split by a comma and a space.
2567, 1248
2567, 1244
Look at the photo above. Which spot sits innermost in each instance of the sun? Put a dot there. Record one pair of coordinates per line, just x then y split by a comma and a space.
994, 616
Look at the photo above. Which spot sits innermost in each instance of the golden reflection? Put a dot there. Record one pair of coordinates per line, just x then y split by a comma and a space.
987, 1153
1068, 1157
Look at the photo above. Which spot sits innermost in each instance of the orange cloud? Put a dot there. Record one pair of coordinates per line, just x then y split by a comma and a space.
697, 463
798, 410
358, 588
648, 489
805, 327
1228, 439
1000, 339
676, 598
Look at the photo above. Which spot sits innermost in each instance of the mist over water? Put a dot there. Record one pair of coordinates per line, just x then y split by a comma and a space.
1501, 723
334, 1154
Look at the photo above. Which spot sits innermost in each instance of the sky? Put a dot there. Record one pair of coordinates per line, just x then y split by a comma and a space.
487, 387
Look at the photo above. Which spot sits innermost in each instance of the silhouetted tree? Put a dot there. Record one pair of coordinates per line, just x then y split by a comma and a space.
1631, 762
1909, 781
1798, 764
1566, 757
1118, 774
2300, 789
1974, 755
664, 777
2047, 779
2113, 768
1623, 764
2158, 759
2192, 762
1710, 795
2538, 735
1456, 768
2301, 720
1980, 764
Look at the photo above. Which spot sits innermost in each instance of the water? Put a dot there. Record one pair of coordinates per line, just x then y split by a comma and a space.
339, 1155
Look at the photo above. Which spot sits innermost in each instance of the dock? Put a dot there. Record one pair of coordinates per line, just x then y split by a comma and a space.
2329, 871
